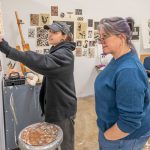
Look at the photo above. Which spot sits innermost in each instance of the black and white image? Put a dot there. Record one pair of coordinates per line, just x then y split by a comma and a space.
31, 32
90, 34
78, 11
44, 19
96, 25
85, 52
135, 33
78, 43
91, 52
90, 22
54, 10
42, 37
91, 43
46, 51
34, 19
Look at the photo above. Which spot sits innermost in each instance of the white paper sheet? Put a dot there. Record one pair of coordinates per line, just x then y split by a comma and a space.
1, 23
146, 33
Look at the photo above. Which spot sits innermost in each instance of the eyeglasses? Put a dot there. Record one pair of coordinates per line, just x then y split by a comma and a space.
102, 39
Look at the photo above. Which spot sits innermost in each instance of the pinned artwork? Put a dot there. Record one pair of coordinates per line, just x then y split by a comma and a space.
85, 44
78, 52
70, 14
1, 24
54, 10
96, 25
46, 51
85, 52
78, 43
34, 19
91, 52
135, 33
62, 14
39, 51
78, 11
91, 43
44, 19
96, 35
80, 18
42, 37
81, 30
90, 34
90, 22
31, 33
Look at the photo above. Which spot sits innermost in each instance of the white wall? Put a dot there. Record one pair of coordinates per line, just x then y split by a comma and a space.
85, 72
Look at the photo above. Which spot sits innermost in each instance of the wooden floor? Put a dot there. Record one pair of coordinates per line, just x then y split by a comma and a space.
86, 132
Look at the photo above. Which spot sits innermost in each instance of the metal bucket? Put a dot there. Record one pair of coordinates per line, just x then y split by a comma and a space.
52, 132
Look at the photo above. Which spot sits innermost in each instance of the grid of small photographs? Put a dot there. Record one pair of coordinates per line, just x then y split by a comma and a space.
84, 31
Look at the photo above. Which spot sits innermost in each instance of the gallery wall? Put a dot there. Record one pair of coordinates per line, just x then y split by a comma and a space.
85, 72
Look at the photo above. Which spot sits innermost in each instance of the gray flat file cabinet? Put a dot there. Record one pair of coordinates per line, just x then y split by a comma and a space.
21, 108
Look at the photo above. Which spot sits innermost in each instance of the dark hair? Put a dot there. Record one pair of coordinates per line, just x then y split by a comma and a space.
69, 36
130, 22
118, 25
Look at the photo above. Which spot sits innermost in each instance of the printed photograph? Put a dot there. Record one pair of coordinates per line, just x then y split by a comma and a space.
135, 33
81, 30
42, 37
62, 14
91, 52
78, 43
78, 11
91, 43
31, 33
46, 51
90, 34
96, 35
80, 18
54, 10
85, 52
39, 51
69, 13
85, 44
78, 52
90, 22
44, 19
96, 25
34, 19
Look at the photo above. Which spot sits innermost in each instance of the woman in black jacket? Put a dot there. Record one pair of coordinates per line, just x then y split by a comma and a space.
57, 96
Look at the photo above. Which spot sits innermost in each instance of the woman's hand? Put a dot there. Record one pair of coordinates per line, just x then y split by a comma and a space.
4, 47
114, 133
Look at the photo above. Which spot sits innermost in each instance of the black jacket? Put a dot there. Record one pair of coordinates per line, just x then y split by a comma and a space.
57, 95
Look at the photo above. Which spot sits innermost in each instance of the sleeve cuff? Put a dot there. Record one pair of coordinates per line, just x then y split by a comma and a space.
125, 127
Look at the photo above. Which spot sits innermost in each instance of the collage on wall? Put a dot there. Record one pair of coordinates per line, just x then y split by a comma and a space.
84, 31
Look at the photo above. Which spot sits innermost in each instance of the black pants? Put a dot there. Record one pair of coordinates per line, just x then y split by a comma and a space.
67, 126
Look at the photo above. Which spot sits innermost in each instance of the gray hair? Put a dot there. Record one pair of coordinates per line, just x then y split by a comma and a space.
117, 26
